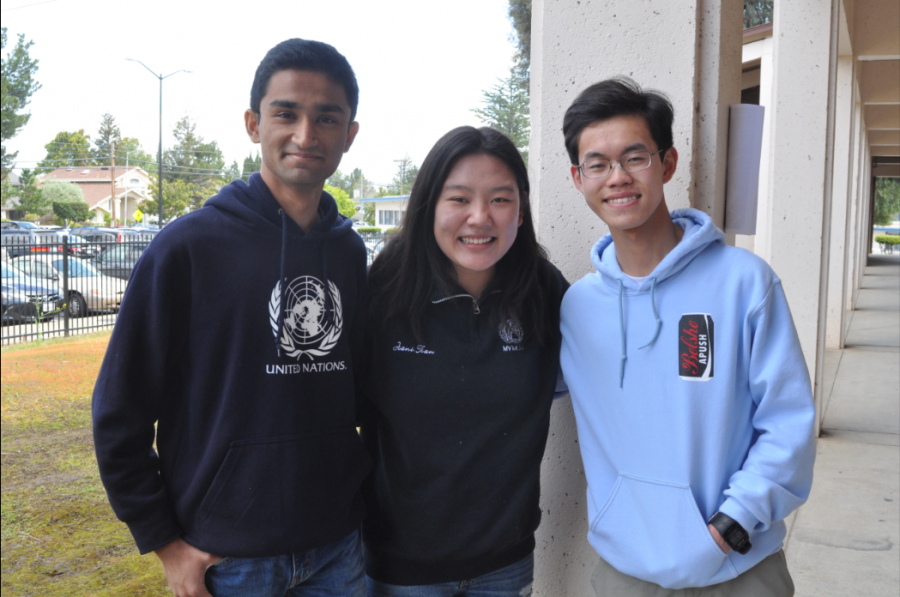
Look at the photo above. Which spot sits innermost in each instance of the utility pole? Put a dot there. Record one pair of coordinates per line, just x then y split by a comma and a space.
159, 154
112, 180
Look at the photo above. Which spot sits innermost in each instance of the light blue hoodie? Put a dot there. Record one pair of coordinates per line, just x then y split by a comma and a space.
691, 396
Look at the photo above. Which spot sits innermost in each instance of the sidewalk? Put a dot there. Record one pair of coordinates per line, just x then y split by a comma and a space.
846, 539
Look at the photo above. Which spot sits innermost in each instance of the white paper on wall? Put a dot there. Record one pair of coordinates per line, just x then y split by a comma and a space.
745, 132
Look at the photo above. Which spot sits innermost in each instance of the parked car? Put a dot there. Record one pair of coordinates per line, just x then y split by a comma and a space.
17, 243
140, 232
25, 299
118, 261
26, 225
89, 290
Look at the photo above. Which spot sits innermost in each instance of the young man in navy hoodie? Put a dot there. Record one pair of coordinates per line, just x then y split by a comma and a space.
691, 394
237, 337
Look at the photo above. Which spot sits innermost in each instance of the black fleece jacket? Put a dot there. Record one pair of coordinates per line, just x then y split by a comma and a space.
237, 335
456, 425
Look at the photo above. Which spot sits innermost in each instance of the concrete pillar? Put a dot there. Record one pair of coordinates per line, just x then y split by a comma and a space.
843, 146
766, 80
691, 50
854, 209
798, 209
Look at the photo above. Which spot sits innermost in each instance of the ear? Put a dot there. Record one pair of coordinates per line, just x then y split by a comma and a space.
576, 178
351, 135
670, 163
521, 217
251, 123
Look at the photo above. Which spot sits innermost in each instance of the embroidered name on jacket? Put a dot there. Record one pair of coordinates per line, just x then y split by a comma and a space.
695, 347
420, 349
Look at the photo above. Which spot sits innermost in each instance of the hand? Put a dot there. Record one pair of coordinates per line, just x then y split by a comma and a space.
185, 567
718, 538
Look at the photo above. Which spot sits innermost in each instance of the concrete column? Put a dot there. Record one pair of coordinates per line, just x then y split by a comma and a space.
797, 208
854, 209
689, 49
843, 146
766, 79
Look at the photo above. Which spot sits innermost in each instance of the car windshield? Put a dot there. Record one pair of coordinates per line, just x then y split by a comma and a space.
77, 269
9, 272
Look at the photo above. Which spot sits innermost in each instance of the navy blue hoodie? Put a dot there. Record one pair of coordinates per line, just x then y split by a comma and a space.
237, 336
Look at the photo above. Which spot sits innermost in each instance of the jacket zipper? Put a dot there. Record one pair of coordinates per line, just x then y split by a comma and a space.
475, 308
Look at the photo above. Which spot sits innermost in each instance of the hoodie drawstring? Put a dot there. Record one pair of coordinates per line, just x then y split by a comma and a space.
622, 334
622, 325
281, 280
655, 313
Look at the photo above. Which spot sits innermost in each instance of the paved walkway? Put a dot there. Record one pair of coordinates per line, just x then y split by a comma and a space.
846, 540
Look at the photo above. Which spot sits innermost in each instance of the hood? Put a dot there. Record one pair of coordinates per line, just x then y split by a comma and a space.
253, 204
699, 232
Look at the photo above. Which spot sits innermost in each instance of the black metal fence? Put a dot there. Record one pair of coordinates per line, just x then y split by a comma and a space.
57, 286
60, 286
375, 242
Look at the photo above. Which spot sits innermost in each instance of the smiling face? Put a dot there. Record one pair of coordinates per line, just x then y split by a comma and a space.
476, 218
303, 128
625, 200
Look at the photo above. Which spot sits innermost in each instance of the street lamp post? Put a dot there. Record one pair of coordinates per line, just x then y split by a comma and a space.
159, 153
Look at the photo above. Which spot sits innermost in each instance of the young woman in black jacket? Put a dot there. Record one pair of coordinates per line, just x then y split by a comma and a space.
462, 362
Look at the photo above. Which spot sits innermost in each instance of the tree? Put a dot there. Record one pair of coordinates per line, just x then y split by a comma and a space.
341, 181
192, 159
251, 165
130, 151
404, 178
345, 206
520, 15
71, 212
233, 172
67, 149
16, 89
887, 200
178, 197
757, 12
31, 199
107, 135
506, 109
66, 201
60, 191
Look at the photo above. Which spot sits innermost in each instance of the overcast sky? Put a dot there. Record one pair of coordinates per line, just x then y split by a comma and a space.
421, 66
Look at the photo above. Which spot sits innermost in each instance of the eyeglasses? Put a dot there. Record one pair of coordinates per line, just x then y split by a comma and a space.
635, 161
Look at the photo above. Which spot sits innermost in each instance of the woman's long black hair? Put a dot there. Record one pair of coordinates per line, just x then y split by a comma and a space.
412, 268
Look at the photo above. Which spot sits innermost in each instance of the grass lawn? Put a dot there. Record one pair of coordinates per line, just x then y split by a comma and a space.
60, 536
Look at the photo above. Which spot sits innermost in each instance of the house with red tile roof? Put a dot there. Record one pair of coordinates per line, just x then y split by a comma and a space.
132, 186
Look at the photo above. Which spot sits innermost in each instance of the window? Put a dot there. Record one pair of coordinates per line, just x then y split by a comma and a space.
390, 217
137, 182
42, 270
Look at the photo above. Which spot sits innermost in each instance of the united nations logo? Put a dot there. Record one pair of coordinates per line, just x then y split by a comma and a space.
313, 318
511, 332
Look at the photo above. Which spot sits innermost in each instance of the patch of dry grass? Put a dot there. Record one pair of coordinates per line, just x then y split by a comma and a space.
60, 536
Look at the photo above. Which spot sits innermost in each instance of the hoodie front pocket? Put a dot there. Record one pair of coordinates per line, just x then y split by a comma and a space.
275, 491
653, 530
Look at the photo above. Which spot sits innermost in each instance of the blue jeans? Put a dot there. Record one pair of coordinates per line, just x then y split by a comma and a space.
335, 570
513, 581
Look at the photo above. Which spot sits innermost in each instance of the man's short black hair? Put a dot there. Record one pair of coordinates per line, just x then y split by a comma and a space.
305, 54
619, 96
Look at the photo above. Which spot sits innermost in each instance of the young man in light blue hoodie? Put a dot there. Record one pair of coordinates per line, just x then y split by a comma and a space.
691, 394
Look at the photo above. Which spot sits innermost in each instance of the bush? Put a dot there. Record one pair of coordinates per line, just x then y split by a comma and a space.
392, 230
368, 230
71, 211
887, 239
